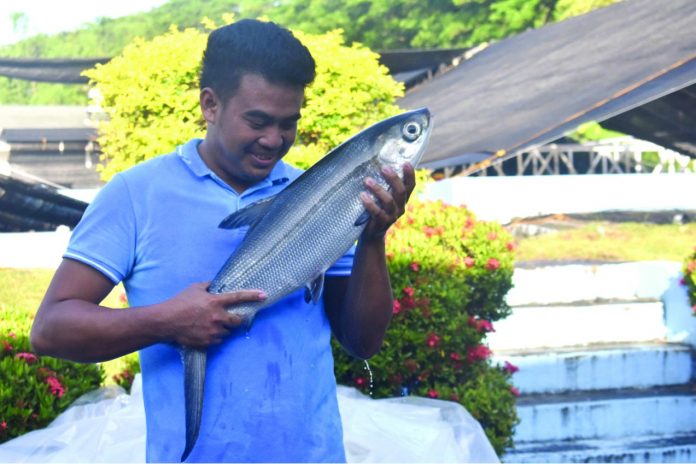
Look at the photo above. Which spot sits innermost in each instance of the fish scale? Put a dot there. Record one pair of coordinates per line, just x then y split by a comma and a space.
294, 237
304, 253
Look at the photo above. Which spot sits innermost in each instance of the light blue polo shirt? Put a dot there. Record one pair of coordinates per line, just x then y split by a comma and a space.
270, 393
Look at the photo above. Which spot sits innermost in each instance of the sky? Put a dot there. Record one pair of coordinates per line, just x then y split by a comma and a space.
53, 16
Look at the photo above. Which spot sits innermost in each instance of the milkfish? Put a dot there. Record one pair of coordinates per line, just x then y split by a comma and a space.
323, 203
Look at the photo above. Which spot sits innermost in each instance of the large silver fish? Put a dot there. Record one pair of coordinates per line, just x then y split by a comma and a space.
277, 254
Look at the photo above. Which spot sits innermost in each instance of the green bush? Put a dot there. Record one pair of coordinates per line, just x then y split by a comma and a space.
150, 94
689, 279
449, 275
35, 389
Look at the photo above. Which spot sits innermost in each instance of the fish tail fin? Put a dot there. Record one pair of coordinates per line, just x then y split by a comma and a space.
194, 381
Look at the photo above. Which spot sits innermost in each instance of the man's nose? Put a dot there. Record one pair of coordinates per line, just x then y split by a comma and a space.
272, 138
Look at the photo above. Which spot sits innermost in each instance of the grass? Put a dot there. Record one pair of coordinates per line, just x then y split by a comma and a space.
21, 291
611, 242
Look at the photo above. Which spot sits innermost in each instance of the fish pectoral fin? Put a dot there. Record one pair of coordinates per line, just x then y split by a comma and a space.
247, 216
194, 381
314, 289
363, 218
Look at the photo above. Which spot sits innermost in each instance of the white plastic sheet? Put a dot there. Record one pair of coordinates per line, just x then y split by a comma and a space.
108, 425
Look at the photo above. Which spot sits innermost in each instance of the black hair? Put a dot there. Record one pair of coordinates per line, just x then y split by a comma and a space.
254, 47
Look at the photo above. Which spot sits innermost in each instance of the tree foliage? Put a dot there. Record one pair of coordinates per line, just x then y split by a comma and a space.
378, 24
150, 94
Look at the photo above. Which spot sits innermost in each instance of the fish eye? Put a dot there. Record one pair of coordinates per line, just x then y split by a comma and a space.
411, 131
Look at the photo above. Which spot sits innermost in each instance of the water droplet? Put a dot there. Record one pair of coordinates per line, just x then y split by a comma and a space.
369, 371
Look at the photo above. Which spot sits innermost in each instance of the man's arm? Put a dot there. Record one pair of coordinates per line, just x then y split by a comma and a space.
360, 307
70, 324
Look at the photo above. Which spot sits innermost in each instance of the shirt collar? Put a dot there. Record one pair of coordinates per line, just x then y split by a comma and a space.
188, 153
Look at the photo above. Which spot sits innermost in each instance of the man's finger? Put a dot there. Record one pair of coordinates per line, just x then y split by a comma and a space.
409, 179
233, 321
240, 296
386, 199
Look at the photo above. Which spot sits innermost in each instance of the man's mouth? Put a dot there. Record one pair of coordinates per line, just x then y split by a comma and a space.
264, 159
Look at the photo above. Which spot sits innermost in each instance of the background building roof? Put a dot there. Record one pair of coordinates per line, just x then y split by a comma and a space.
532, 88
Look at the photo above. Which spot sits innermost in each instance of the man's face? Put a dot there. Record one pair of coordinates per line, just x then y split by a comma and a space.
252, 131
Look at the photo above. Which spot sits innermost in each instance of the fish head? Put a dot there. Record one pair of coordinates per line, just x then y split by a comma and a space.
404, 139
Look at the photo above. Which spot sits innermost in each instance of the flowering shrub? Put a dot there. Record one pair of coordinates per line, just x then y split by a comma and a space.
450, 274
689, 279
34, 389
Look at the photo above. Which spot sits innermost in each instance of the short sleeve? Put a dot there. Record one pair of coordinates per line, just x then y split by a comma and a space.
105, 236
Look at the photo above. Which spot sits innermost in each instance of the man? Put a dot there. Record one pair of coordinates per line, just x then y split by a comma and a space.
270, 391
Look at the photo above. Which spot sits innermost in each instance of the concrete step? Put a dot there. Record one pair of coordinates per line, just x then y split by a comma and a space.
601, 368
573, 283
606, 415
536, 327
677, 448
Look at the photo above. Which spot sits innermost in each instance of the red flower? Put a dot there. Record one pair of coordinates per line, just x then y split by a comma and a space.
396, 308
693, 308
485, 326
691, 266
510, 368
409, 220
411, 365
469, 261
511, 246
433, 340
415, 266
514, 391
477, 353
455, 356
7, 347
492, 264
55, 387
360, 381
29, 358
492, 236
3, 425
12, 335
433, 393
481, 325
469, 222
408, 291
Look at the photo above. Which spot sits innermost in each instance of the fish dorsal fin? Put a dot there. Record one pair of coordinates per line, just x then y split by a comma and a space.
314, 289
247, 216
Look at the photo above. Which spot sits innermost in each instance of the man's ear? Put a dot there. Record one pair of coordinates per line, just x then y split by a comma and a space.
210, 104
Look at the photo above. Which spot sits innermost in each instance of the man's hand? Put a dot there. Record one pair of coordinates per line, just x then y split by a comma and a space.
199, 318
390, 205
70, 324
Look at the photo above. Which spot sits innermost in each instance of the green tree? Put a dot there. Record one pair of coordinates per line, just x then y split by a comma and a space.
393, 24
378, 24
